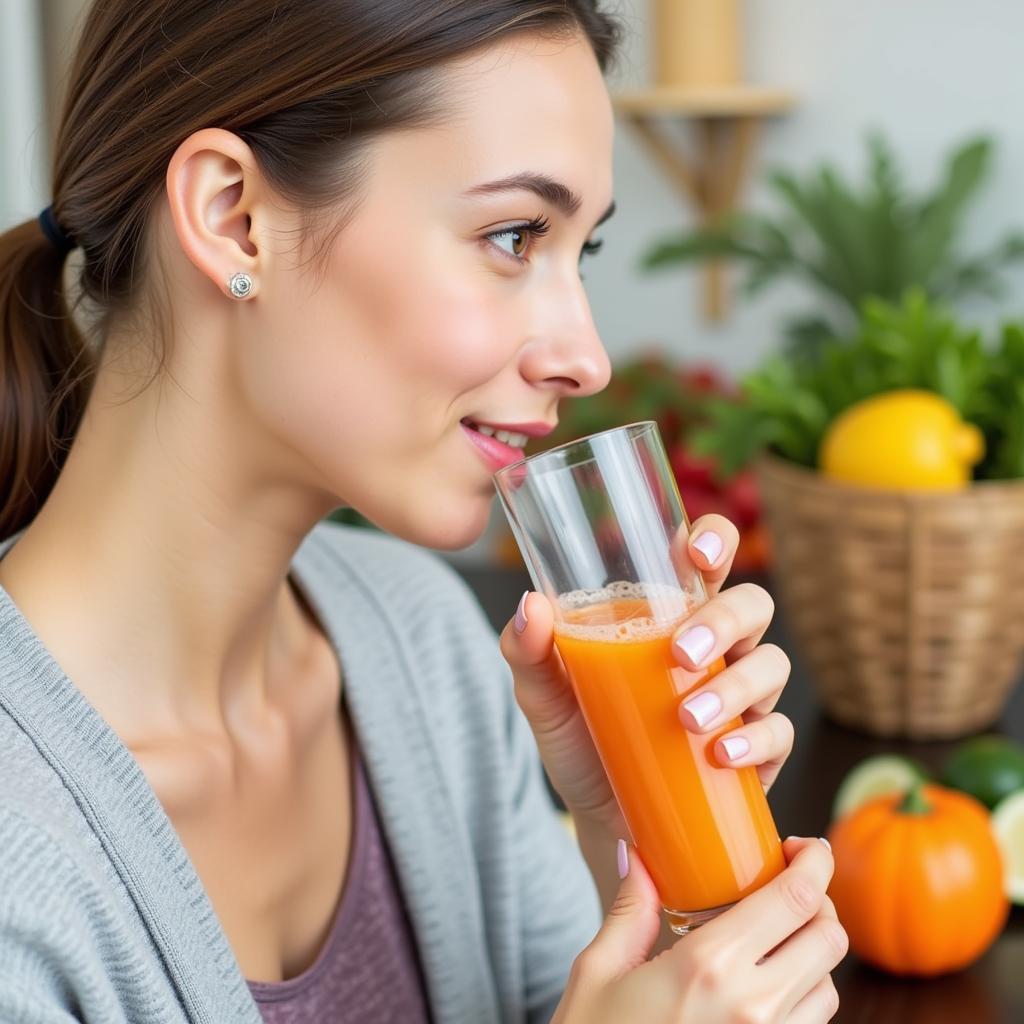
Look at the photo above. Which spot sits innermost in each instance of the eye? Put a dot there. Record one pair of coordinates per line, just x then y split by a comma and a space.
515, 240
590, 249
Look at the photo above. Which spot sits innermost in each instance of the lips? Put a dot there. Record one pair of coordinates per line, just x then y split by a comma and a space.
509, 437
537, 429
502, 444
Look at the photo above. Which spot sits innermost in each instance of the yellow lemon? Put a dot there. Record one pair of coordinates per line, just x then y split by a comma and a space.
908, 440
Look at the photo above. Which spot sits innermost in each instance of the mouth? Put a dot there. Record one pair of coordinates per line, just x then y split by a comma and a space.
501, 445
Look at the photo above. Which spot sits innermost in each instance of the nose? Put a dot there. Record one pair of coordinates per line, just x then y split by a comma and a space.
566, 354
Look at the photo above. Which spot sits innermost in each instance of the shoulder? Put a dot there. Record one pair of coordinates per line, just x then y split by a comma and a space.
64, 931
53, 863
35, 855
49, 899
33, 801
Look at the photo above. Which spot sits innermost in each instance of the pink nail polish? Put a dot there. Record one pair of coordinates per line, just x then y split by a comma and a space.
520, 621
622, 856
736, 747
710, 546
705, 707
696, 643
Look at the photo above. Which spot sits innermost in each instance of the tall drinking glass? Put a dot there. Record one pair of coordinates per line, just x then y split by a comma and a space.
602, 529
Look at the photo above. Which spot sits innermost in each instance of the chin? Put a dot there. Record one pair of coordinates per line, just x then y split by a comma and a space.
444, 528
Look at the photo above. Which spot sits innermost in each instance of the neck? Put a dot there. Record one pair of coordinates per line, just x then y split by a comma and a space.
156, 571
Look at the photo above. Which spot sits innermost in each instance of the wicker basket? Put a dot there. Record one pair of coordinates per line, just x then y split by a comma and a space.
908, 607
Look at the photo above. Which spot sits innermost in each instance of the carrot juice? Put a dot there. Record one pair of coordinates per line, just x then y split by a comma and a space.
705, 832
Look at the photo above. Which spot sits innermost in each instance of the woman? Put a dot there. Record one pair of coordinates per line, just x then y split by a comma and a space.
260, 768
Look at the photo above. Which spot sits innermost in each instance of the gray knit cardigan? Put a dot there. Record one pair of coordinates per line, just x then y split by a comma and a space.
102, 916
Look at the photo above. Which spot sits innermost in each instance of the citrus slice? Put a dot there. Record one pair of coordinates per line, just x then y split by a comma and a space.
1008, 825
877, 776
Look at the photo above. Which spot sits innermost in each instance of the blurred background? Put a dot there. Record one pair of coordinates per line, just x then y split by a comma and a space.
813, 283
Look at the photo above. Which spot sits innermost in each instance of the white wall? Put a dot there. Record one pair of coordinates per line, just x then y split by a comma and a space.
24, 173
928, 72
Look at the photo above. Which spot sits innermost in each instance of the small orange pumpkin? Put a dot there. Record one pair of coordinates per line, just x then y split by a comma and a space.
918, 884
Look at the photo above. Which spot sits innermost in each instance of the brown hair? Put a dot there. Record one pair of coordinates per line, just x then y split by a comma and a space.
306, 83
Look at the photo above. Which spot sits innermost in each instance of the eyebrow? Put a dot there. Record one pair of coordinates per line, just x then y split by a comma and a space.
551, 191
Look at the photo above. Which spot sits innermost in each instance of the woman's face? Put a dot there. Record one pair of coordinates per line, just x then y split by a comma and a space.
439, 311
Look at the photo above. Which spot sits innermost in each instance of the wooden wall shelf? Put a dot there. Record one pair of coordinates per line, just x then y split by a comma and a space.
727, 120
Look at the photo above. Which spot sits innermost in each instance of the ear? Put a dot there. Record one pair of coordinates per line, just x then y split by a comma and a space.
213, 189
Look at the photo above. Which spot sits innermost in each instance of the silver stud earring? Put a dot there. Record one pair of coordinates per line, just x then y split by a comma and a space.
240, 285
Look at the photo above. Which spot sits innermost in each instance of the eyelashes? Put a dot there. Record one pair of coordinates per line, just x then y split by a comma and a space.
526, 234
516, 233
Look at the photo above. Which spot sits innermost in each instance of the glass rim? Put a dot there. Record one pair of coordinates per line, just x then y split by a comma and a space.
637, 428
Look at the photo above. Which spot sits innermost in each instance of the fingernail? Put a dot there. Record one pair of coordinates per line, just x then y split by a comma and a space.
623, 859
736, 747
705, 707
520, 623
826, 842
696, 643
710, 546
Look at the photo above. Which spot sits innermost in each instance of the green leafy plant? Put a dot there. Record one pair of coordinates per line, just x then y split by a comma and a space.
850, 242
1003, 418
787, 405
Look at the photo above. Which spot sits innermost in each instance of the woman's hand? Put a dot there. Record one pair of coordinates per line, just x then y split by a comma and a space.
729, 625
767, 959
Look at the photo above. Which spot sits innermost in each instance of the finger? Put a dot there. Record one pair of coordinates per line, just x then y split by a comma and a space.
749, 687
800, 964
820, 1005
731, 623
767, 917
527, 641
542, 688
828, 909
712, 545
765, 744
632, 924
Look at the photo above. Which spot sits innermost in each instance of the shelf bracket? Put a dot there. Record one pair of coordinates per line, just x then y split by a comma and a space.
711, 172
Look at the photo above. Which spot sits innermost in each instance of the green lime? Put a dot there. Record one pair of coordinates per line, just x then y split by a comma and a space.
877, 776
989, 768
1008, 825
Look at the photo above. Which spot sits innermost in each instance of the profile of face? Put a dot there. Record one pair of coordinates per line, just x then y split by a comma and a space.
438, 310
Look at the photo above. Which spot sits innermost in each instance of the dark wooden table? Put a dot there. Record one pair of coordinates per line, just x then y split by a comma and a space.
991, 991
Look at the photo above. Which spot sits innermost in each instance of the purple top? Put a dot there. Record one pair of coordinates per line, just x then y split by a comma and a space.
368, 969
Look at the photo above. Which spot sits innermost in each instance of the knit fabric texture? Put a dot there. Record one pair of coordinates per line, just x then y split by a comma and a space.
103, 918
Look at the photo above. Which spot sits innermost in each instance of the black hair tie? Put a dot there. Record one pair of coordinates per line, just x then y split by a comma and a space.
53, 231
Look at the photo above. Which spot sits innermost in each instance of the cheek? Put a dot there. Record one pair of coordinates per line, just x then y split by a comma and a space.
365, 406
454, 337
366, 378
421, 326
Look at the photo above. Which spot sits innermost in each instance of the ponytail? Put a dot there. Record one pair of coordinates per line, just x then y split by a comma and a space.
46, 372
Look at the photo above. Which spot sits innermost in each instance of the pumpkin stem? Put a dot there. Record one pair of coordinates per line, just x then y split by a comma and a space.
914, 802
